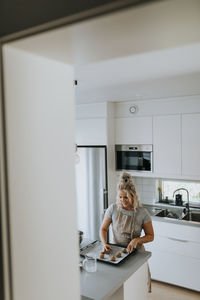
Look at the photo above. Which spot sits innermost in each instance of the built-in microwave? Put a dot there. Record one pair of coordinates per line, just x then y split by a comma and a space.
134, 157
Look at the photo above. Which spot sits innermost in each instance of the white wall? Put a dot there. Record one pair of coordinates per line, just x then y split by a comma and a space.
167, 106
39, 98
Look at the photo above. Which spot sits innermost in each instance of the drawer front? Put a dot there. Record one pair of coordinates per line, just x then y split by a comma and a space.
175, 269
176, 231
175, 246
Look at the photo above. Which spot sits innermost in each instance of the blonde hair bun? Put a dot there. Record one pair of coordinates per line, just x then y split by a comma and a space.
126, 182
126, 177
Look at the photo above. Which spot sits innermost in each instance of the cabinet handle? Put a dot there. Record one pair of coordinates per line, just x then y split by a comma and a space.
173, 239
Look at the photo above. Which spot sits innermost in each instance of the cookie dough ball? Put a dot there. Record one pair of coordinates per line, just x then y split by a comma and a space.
124, 250
112, 258
101, 255
106, 251
118, 254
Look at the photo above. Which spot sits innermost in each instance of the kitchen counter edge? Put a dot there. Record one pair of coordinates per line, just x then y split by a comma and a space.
106, 280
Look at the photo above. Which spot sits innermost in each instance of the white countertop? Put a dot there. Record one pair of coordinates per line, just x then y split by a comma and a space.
108, 278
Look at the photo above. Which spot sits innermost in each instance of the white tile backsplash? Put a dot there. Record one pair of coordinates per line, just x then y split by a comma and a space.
148, 194
146, 189
137, 180
147, 181
149, 188
139, 187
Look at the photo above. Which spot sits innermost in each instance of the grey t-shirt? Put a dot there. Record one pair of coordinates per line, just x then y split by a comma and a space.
141, 217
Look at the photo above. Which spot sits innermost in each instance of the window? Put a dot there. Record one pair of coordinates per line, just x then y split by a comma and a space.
169, 186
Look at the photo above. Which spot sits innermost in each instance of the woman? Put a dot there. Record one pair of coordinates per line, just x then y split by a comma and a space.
128, 218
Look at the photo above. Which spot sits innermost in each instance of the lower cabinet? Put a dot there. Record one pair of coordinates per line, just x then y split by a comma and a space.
136, 286
175, 259
175, 269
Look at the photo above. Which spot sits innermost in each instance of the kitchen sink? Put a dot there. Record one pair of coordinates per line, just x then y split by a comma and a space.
167, 213
193, 216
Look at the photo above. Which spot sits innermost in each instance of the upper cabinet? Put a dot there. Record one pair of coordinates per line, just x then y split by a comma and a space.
191, 144
172, 127
135, 130
167, 144
91, 124
91, 132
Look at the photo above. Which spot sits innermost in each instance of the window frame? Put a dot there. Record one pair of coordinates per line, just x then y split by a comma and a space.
180, 183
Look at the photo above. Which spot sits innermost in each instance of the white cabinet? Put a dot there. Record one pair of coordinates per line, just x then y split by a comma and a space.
91, 123
191, 144
167, 144
136, 286
176, 145
91, 131
133, 130
175, 269
175, 254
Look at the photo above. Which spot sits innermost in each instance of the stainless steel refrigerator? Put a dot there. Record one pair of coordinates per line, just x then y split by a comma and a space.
91, 189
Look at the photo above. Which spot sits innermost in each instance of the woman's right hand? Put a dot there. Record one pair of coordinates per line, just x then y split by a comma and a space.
106, 248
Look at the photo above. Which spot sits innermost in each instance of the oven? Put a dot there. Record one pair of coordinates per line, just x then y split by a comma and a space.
134, 157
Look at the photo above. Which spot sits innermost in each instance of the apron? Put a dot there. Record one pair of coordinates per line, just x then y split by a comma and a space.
123, 232
123, 228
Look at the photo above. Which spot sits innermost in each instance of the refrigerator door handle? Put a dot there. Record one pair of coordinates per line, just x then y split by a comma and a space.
105, 199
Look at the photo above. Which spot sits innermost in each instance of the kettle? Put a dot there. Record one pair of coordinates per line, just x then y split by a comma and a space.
179, 201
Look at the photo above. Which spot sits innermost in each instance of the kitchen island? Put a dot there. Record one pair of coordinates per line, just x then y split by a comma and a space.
126, 281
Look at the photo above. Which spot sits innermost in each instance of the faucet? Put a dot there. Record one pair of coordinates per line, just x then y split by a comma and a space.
187, 204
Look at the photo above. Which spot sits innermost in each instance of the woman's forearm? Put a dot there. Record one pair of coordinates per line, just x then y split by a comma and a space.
145, 239
103, 236
138, 241
149, 233
104, 229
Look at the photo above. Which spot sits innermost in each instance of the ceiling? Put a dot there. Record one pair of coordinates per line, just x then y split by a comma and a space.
146, 52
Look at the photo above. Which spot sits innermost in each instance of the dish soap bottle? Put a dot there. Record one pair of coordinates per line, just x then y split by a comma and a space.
160, 194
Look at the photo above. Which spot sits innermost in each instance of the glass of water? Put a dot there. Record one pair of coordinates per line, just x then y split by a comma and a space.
90, 263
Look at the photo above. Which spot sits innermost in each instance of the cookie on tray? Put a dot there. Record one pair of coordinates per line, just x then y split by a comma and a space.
112, 258
118, 254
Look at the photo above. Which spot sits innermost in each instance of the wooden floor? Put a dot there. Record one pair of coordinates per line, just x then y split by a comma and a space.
164, 291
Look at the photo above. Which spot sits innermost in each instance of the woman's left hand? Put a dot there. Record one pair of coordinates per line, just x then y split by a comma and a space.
132, 245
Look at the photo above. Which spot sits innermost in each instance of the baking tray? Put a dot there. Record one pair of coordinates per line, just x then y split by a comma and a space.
95, 248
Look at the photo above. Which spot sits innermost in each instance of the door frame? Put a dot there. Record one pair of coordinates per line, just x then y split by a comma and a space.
6, 261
